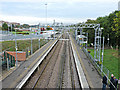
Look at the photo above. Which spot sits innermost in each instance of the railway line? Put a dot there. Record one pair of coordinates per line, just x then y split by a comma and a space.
57, 70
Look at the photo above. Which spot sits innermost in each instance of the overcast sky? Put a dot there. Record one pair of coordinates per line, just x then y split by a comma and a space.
66, 11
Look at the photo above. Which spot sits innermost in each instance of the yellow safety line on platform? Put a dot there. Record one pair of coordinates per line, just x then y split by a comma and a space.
13, 84
88, 79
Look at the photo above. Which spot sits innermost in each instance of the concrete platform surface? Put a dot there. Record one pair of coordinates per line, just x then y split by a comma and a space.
16, 76
93, 77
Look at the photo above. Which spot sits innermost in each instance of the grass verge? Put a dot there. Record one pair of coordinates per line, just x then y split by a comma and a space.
110, 60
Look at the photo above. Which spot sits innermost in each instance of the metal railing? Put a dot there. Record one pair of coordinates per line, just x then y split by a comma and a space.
8, 60
104, 72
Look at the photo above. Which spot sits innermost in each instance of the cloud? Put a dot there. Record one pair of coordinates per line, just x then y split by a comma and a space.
36, 20
66, 11
55, 1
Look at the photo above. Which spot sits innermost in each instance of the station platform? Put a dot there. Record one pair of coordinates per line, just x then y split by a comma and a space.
93, 77
14, 76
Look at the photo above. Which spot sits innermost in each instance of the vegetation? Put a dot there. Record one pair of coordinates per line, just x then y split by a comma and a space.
23, 32
22, 44
4, 26
25, 26
111, 29
110, 60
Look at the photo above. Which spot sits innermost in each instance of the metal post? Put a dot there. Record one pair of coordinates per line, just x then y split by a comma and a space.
80, 31
11, 27
40, 33
8, 28
16, 48
54, 29
95, 45
7, 64
102, 55
99, 44
61, 27
28, 51
87, 41
31, 46
76, 33
46, 13
39, 43
107, 75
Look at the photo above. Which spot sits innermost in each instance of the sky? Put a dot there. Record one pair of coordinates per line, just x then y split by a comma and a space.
65, 11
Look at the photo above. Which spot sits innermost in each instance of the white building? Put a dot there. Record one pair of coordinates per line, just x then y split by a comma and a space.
119, 5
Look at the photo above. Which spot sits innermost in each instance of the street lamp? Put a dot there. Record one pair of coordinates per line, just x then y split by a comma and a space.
39, 33
46, 13
54, 29
102, 56
15, 47
102, 51
11, 27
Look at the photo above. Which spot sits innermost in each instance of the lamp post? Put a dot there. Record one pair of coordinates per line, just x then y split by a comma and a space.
46, 13
8, 27
102, 50
54, 29
31, 46
15, 47
11, 27
102, 56
39, 33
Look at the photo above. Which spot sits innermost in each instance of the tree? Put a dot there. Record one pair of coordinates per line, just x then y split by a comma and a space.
116, 29
116, 22
91, 21
25, 26
17, 26
4, 26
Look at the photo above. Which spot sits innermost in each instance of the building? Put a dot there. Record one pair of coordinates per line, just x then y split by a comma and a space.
9, 23
14, 23
21, 56
119, 6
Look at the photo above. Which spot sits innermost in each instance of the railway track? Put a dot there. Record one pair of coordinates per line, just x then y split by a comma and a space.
57, 70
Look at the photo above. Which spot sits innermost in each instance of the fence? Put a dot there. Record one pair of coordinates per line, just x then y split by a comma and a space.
8, 61
102, 72
35, 47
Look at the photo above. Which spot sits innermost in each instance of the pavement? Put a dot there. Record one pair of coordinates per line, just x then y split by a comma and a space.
16, 76
93, 77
